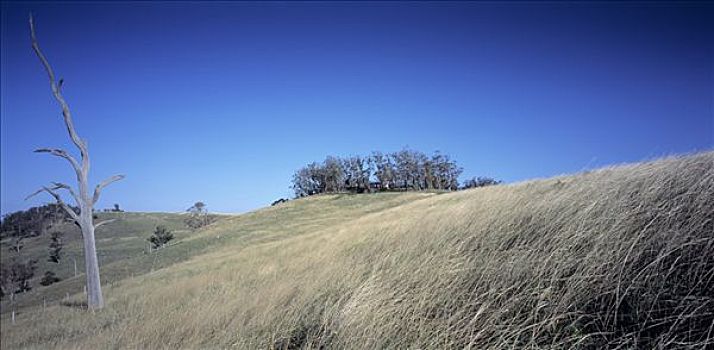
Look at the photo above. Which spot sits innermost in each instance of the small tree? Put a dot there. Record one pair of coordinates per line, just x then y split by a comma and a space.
17, 244
56, 247
160, 237
197, 216
49, 278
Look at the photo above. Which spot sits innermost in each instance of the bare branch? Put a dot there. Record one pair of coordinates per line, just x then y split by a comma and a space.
59, 200
60, 99
104, 222
34, 193
105, 183
62, 153
59, 185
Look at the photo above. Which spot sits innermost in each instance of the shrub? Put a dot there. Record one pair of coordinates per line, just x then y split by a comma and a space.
49, 278
281, 200
160, 237
480, 182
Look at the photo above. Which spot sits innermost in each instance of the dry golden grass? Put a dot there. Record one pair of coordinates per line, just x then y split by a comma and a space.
621, 257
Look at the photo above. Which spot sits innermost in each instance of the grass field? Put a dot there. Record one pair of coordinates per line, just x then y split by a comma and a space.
621, 257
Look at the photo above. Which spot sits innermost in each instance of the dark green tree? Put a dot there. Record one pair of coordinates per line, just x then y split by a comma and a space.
55, 247
49, 278
21, 273
160, 237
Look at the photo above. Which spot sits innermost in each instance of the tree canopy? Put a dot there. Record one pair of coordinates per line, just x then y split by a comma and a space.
403, 170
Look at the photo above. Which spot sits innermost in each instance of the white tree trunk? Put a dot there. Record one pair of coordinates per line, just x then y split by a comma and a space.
95, 300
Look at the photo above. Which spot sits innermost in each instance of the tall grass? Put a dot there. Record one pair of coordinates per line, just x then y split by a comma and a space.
621, 257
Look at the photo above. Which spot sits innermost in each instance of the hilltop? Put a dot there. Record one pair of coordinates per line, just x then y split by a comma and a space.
616, 257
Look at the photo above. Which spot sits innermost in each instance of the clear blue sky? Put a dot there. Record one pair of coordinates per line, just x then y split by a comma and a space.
221, 102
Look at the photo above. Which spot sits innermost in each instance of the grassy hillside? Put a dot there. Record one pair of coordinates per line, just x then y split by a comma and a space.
122, 247
620, 257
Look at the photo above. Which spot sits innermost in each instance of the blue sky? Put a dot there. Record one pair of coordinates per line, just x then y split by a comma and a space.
222, 102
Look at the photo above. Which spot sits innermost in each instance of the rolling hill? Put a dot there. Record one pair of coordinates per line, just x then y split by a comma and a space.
619, 257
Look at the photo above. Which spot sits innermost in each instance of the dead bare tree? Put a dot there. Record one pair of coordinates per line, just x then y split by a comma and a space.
83, 199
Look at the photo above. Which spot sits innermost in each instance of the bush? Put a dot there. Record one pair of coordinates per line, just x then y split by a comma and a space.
480, 182
160, 237
49, 278
281, 200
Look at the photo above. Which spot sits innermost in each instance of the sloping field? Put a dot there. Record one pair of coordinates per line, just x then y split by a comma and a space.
621, 257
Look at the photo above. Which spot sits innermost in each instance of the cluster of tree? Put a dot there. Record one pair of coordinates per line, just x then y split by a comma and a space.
15, 277
35, 221
403, 170
198, 216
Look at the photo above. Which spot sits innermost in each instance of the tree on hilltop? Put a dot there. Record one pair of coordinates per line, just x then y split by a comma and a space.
197, 216
480, 181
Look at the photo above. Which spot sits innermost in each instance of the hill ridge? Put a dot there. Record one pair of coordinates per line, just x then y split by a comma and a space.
614, 257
